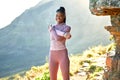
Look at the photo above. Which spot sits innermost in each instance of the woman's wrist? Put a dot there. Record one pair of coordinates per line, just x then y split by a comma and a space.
51, 28
67, 35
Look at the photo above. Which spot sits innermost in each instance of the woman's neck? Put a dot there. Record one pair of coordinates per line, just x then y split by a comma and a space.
60, 23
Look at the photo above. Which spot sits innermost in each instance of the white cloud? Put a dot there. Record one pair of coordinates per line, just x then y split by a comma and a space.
10, 9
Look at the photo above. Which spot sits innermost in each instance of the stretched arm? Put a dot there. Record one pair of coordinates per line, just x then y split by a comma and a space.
55, 35
67, 34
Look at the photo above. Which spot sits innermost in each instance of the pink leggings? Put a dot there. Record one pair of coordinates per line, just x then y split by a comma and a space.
59, 58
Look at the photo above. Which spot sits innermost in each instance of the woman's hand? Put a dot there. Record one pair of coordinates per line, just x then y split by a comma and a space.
67, 35
50, 28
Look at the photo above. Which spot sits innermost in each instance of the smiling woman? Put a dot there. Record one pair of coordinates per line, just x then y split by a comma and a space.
10, 9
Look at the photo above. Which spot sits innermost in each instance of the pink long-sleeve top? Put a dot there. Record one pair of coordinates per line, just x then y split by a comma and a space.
56, 43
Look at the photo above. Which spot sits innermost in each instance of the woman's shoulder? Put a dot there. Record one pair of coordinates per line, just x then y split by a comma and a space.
67, 26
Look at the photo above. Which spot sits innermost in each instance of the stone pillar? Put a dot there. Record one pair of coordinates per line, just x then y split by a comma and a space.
114, 73
111, 8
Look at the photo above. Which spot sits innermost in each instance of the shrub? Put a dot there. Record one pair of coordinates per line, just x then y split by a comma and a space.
81, 62
98, 69
37, 78
88, 61
92, 68
46, 76
89, 55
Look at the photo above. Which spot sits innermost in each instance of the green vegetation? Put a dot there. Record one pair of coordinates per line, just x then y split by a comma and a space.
45, 76
76, 62
94, 68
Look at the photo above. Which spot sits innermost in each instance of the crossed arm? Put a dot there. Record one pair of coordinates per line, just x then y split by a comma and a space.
60, 35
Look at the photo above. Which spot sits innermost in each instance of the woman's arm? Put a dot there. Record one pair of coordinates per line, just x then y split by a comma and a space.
60, 35
67, 34
67, 29
55, 35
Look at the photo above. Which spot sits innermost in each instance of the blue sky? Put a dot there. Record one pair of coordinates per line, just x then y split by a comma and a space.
10, 9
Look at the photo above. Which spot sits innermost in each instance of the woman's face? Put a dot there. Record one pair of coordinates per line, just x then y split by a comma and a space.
60, 17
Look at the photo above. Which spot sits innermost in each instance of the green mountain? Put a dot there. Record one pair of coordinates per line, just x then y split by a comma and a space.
25, 42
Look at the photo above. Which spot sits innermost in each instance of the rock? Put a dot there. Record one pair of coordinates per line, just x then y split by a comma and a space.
115, 64
97, 78
112, 8
111, 53
104, 7
82, 73
105, 75
114, 76
86, 65
82, 69
100, 61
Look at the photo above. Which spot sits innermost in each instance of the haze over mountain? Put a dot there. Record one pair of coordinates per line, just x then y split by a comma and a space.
9, 9
25, 42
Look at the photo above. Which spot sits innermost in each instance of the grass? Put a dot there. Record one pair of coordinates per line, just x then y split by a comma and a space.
76, 61
94, 68
45, 76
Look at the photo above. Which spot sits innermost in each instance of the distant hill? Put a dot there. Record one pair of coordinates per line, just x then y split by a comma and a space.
25, 42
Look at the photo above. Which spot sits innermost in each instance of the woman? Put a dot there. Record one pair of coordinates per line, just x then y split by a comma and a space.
58, 52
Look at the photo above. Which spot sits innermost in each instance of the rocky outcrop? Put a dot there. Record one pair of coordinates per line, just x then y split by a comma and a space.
104, 7
112, 8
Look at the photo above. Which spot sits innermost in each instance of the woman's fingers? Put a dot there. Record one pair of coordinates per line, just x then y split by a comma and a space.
67, 35
49, 27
